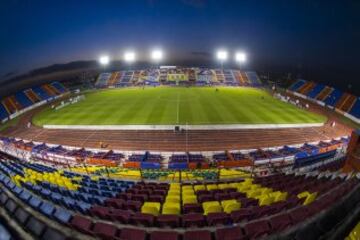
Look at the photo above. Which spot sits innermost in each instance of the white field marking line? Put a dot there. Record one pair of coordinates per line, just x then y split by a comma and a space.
38, 134
177, 112
88, 137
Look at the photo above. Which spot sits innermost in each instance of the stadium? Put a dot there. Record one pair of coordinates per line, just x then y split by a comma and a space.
118, 150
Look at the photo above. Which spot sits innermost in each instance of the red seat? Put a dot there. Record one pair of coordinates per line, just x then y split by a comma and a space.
280, 222
232, 233
192, 208
132, 234
298, 215
82, 224
157, 198
199, 234
100, 211
143, 219
243, 214
217, 219
122, 216
114, 202
168, 221
257, 229
133, 206
159, 235
193, 220
105, 231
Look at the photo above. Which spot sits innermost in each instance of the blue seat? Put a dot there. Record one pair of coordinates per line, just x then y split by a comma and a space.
45, 193
17, 190
56, 198
68, 202
47, 209
82, 207
35, 202
62, 215
10, 185
25, 196
108, 194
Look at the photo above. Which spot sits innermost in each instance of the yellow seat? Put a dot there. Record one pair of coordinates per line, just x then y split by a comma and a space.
243, 188
266, 200
282, 196
266, 191
188, 192
224, 186
199, 187
211, 187
230, 205
253, 193
173, 193
189, 199
303, 194
152, 208
211, 207
171, 208
187, 187
173, 199
310, 198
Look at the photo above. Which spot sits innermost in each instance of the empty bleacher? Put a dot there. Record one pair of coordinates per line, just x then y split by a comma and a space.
355, 110
324, 93
315, 91
333, 97
297, 85
9, 105
103, 79
3, 112
59, 87
346, 102
23, 99
306, 88
32, 96
41, 93
254, 78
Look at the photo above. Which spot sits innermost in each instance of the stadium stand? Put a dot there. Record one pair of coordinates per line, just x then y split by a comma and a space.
324, 93
3, 112
114, 208
355, 111
23, 99
315, 91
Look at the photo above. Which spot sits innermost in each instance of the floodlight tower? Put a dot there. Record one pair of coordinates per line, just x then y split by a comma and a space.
240, 58
129, 57
156, 56
104, 60
222, 56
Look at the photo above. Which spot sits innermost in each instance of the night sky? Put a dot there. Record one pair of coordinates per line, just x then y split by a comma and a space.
304, 34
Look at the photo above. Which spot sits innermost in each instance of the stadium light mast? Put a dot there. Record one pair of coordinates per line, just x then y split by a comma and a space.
129, 57
222, 56
157, 56
104, 60
240, 58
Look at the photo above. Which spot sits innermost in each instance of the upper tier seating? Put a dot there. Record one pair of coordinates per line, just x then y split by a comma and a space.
333, 97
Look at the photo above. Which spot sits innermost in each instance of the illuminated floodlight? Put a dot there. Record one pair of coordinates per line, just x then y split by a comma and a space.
157, 55
104, 60
222, 55
240, 57
129, 57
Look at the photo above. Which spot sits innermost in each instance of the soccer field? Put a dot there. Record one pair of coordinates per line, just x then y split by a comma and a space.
177, 105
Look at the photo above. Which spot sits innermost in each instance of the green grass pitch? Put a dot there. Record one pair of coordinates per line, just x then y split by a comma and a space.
177, 105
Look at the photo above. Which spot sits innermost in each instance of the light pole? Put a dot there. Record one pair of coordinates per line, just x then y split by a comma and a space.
104, 61
129, 57
222, 56
240, 58
156, 56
